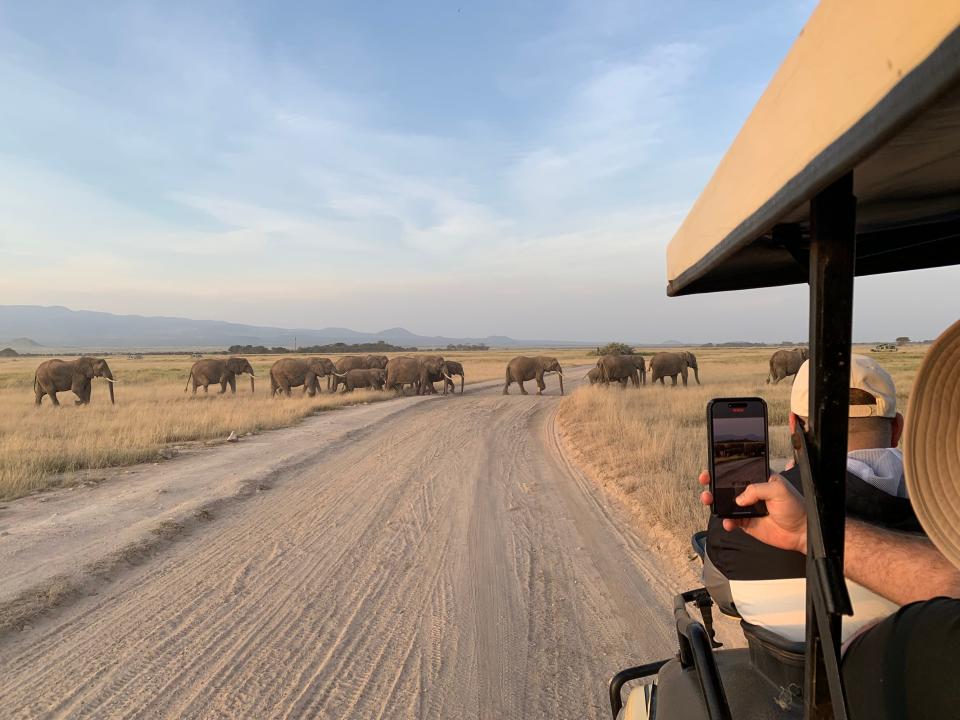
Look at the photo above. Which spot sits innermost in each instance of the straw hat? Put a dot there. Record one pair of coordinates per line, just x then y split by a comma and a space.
931, 445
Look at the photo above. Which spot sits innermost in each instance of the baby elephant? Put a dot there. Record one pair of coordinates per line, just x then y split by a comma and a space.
362, 378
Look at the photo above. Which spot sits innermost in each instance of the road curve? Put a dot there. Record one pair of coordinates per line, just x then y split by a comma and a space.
446, 562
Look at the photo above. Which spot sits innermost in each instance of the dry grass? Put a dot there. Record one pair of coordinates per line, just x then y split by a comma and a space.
647, 446
38, 447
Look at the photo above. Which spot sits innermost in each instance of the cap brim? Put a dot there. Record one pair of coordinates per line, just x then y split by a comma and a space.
931, 445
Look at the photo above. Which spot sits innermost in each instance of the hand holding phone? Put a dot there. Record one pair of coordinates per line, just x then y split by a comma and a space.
738, 443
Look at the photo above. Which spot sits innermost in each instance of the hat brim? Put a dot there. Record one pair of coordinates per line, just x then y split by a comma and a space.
931, 445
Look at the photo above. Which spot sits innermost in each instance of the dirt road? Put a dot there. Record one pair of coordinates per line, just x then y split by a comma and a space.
440, 560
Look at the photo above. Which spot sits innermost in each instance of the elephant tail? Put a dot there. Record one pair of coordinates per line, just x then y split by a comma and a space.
189, 378
36, 383
770, 375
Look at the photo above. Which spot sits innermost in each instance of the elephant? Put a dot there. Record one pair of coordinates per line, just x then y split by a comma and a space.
434, 370
671, 364
786, 362
621, 368
595, 377
418, 372
523, 368
209, 372
362, 378
453, 368
375, 362
403, 371
294, 372
53, 376
344, 365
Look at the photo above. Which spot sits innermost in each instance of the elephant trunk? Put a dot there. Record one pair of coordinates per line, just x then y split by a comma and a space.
696, 374
560, 375
252, 389
110, 381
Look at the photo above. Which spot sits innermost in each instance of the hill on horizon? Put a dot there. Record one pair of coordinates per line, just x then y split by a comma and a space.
36, 326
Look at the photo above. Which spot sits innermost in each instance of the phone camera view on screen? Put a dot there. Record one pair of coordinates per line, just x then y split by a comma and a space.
738, 452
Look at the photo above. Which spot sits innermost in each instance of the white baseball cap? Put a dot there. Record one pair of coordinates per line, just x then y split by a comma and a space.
865, 374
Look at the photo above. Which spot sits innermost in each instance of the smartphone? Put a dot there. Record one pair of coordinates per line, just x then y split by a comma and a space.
739, 453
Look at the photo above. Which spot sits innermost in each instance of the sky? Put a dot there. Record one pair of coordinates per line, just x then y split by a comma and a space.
464, 169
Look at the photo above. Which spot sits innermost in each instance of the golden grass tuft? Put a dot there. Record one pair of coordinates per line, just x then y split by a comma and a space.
647, 446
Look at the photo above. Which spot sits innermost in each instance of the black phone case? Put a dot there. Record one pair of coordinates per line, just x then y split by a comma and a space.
759, 509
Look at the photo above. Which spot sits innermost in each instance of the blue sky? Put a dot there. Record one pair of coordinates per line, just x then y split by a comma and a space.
472, 169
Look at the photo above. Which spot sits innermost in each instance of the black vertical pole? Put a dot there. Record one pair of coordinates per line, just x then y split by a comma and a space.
832, 254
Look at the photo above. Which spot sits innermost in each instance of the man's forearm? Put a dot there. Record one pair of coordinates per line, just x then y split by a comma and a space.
902, 568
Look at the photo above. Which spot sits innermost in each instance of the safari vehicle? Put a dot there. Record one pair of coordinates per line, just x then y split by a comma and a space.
884, 347
847, 166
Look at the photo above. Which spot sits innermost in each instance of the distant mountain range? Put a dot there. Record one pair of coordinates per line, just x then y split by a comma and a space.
34, 328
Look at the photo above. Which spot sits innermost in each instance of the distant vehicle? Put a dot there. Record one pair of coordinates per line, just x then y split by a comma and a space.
196, 355
884, 347
135, 356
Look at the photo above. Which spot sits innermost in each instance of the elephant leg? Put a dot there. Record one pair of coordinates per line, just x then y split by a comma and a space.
673, 379
541, 385
223, 386
684, 376
233, 384
53, 396
193, 382
39, 392
206, 387
83, 394
522, 389
506, 387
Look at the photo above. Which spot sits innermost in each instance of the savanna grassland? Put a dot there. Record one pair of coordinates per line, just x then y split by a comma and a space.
40, 448
646, 447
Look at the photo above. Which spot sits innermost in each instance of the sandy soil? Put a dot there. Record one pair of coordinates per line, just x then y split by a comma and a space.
421, 558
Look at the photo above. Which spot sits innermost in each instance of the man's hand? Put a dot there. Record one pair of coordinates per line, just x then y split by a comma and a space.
785, 524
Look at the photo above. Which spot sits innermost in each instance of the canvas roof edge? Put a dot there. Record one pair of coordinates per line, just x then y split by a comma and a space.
925, 38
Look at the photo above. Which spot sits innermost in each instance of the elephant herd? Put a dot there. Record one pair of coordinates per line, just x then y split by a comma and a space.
381, 373
372, 371
632, 368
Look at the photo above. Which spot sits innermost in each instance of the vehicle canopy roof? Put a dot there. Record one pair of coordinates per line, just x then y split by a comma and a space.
871, 86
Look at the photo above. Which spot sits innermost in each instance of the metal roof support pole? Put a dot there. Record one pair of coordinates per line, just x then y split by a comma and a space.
832, 252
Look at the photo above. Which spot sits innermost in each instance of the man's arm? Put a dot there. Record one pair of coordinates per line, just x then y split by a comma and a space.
901, 568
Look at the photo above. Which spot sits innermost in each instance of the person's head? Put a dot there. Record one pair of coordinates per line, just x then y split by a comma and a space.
874, 420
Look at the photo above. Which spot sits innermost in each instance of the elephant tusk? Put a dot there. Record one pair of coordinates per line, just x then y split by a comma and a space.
109, 380
339, 375
447, 376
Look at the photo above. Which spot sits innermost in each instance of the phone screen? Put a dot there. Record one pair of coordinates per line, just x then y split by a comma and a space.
738, 452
